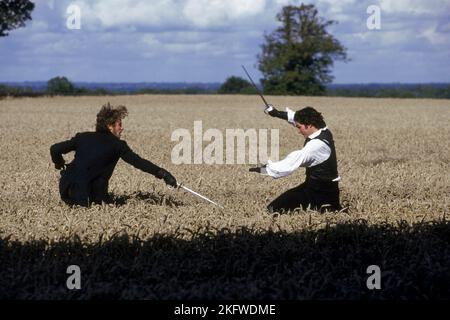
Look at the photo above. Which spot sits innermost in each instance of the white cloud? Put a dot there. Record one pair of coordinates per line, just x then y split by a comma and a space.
132, 12
191, 43
434, 37
341, 11
204, 13
337, 6
169, 13
416, 7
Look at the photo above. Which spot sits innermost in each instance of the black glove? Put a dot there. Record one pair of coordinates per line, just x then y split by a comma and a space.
275, 113
168, 178
257, 169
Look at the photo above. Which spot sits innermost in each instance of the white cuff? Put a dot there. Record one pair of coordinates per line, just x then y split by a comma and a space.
290, 114
268, 108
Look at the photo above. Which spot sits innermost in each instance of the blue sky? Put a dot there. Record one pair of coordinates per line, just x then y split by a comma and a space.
208, 40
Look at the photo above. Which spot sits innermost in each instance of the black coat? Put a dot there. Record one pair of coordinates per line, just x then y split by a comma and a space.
96, 155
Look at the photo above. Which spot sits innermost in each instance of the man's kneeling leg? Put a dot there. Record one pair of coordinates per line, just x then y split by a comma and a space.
99, 191
290, 200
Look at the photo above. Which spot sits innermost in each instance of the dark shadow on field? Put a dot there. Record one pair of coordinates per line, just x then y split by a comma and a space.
330, 263
157, 199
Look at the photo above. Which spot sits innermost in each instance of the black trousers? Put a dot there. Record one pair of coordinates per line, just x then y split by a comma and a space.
75, 192
321, 196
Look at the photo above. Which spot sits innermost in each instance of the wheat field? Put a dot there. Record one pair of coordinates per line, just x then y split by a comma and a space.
160, 243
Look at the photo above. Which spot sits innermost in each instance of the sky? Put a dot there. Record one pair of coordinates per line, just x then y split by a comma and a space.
209, 40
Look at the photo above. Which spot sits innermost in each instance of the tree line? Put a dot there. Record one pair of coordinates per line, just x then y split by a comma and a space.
61, 86
425, 90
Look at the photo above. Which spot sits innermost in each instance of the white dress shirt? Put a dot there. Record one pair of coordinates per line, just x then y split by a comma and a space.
313, 153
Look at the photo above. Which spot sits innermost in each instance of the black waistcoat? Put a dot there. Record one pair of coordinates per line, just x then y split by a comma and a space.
327, 170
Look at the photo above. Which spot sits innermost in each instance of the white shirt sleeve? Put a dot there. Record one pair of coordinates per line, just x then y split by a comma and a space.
313, 153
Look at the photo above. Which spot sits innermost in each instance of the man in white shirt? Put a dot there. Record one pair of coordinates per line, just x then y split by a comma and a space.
320, 190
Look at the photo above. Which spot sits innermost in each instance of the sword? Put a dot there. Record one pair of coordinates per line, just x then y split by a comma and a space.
198, 195
257, 90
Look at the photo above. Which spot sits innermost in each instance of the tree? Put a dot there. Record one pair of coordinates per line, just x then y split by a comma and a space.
60, 86
13, 14
236, 85
297, 57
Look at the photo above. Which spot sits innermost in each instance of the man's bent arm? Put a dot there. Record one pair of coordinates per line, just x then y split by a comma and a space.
58, 149
287, 115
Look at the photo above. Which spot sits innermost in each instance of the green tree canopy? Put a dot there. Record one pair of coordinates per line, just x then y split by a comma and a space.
60, 86
298, 56
13, 14
235, 84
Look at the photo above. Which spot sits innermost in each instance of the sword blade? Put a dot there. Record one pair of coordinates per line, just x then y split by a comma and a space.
254, 85
199, 195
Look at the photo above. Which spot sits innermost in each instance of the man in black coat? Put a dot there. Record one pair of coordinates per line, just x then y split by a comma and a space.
85, 179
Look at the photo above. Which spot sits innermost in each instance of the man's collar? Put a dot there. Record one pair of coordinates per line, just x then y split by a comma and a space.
316, 134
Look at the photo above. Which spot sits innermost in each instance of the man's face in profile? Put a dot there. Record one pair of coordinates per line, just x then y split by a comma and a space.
305, 129
116, 128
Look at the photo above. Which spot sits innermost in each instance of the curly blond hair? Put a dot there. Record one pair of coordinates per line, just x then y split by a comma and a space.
108, 115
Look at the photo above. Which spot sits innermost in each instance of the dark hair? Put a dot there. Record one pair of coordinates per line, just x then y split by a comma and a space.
108, 115
309, 115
